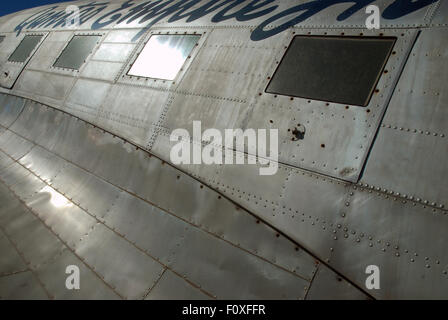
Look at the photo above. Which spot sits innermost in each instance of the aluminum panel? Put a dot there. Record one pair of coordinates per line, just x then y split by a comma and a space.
136, 123
151, 229
11, 107
14, 145
52, 88
24, 230
49, 51
21, 286
29, 125
163, 56
419, 102
101, 70
5, 161
229, 67
10, 260
410, 164
43, 163
27, 187
404, 239
172, 287
98, 91
10, 206
182, 65
85, 189
14, 174
328, 138
439, 14
106, 158
327, 285
90, 286
228, 272
335, 69
68, 221
121, 36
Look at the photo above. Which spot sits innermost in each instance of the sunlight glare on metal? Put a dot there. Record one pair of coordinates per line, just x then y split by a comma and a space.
163, 56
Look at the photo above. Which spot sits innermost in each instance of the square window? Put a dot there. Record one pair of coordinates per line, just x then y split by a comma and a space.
25, 48
163, 56
332, 68
76, 52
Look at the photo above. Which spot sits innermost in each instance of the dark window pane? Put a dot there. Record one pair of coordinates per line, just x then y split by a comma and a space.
76, 52
2, 38
336, 69
163, 56
25, 48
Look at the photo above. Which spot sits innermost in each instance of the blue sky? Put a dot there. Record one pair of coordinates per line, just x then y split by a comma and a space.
10, 6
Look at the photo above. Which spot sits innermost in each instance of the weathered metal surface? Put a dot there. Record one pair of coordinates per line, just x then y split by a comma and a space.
137, 220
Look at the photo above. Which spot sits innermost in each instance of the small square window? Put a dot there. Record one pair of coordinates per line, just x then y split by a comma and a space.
163, 56
25, 48
76, 52
332, 68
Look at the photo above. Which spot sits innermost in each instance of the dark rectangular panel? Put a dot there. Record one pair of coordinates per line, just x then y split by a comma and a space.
2, 38
330, 68
25, 48
76, 52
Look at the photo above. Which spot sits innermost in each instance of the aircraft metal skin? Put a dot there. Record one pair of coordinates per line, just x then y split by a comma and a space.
86, 177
